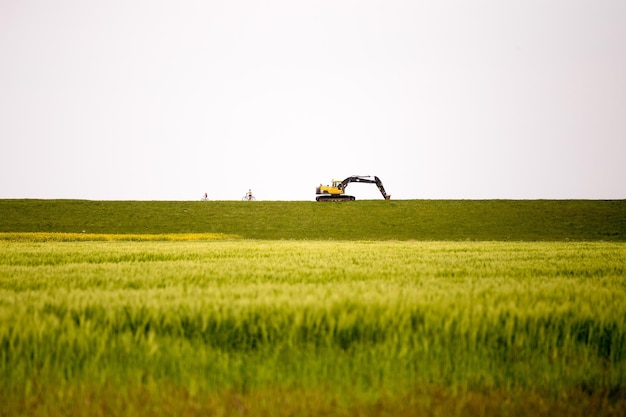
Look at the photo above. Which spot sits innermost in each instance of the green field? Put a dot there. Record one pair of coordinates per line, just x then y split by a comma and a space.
539, 220
213, 309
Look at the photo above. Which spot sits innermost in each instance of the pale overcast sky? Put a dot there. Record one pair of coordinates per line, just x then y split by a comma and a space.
454, 99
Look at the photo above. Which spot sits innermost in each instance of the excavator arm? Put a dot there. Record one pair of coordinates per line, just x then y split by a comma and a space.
368, 180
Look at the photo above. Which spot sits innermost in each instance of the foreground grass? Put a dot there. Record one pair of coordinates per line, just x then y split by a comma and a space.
172, 400
236, 327
447, 220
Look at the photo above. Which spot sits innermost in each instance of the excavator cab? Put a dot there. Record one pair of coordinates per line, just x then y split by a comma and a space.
335, 189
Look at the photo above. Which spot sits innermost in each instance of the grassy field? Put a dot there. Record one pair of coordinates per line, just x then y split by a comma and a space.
543, 220
224, 317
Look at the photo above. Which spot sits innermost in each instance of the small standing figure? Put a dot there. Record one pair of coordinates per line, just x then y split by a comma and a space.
206, 197
249, 196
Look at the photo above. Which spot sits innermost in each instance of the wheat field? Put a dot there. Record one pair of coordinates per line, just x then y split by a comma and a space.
202, 325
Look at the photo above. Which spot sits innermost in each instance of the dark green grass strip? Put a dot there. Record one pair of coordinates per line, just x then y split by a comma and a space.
517, 220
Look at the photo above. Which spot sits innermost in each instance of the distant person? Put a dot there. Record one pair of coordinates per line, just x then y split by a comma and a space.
248, 196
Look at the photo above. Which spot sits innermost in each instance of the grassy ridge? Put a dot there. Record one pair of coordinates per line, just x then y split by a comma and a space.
525, 220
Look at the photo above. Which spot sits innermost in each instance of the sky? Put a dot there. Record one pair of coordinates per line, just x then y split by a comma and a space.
441, 99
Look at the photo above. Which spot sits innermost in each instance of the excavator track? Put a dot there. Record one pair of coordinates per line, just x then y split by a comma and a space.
334, 198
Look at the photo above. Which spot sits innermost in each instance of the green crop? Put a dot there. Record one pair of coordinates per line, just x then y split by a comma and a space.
312, 327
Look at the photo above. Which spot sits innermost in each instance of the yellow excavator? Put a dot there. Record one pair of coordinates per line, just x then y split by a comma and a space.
336, 191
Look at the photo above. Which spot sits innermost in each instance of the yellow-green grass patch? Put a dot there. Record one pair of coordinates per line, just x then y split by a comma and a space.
101, 237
